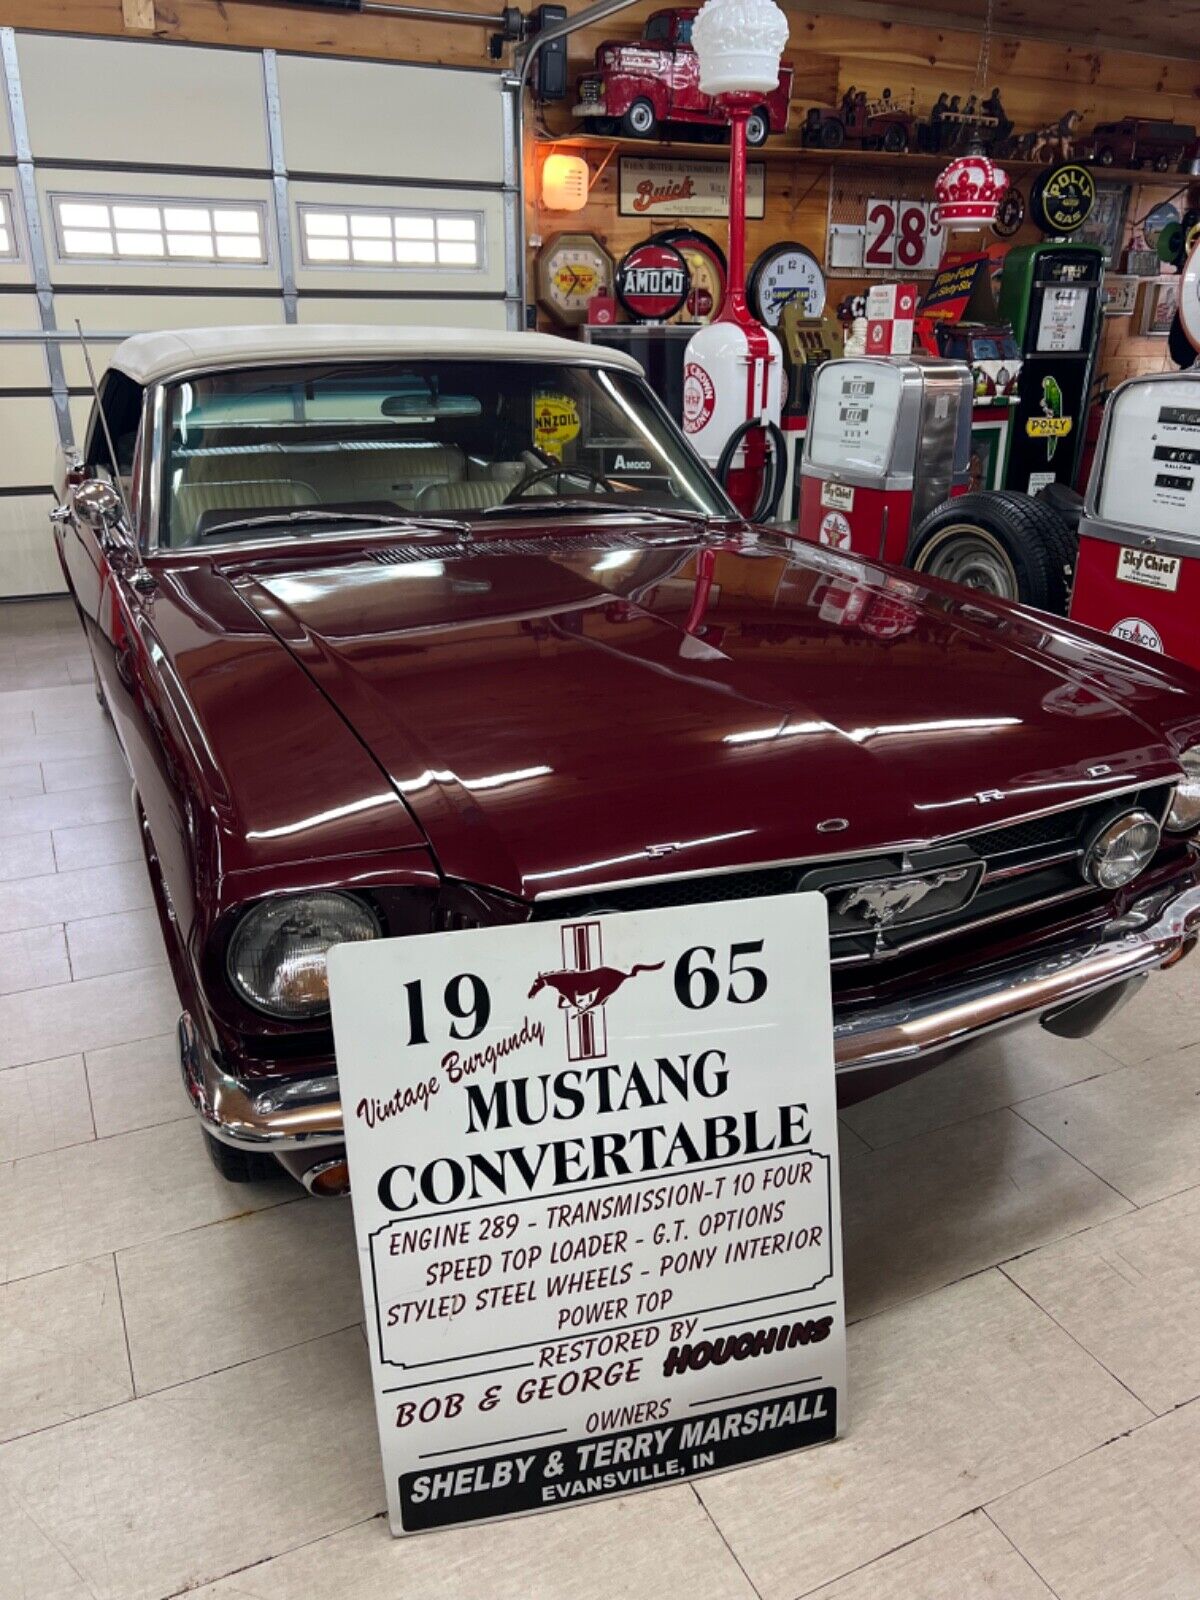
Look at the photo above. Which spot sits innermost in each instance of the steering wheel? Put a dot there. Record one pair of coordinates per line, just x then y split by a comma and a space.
559, 472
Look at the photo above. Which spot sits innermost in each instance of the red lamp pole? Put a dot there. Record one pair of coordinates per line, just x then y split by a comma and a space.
738, 108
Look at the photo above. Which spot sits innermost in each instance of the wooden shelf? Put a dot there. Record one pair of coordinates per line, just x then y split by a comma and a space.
779, 152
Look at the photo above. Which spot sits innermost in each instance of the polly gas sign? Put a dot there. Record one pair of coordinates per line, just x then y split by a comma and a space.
595, 1190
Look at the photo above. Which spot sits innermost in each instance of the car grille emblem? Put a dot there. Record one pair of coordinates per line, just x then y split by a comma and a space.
882, 902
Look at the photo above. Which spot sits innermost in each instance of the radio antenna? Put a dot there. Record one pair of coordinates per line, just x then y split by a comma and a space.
108, 438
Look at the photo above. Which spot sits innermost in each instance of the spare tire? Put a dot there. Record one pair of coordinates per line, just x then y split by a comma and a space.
1000, 542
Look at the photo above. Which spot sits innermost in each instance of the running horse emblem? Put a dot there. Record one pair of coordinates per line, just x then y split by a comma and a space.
584, 984
881, 902
582, 991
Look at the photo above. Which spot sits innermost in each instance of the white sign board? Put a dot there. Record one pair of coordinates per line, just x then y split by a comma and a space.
1151, 472
595, 1187
852, 419
668, 187
1063, 319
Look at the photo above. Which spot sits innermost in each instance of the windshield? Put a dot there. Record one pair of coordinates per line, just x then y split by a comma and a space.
457, 439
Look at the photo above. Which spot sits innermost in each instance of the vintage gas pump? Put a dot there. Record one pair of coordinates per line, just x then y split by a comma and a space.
889, 438
1138, 571
1050, 293
733, 368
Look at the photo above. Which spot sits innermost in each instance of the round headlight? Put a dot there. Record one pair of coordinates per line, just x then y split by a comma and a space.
1121, 849
277, 954
1185, 804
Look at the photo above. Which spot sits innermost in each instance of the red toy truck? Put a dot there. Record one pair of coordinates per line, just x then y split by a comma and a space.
638, 87
882, 124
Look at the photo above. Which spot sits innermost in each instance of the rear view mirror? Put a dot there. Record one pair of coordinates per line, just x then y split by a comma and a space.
98, 504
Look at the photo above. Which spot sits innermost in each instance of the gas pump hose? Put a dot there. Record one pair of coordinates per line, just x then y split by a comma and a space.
773, 480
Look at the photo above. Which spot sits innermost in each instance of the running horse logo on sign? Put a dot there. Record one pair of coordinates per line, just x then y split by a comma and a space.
583, 985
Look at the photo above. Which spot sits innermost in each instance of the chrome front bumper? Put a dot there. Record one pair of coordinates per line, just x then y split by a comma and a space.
1154, 932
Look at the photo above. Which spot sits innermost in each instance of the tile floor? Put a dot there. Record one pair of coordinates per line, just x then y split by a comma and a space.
183, 1380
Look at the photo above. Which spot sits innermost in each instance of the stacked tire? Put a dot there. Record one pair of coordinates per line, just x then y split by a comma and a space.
1000, 542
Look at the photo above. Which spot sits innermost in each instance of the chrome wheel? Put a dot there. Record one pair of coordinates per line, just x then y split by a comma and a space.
640, 118
972, 557
757, 129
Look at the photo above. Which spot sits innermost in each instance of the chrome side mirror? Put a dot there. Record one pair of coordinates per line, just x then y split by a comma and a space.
98, 504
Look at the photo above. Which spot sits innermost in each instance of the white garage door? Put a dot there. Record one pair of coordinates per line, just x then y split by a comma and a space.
147, 185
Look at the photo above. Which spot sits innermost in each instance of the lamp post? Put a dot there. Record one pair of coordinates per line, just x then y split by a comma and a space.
733, 369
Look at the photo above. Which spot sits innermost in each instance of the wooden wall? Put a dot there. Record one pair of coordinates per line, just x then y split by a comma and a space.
1039, 79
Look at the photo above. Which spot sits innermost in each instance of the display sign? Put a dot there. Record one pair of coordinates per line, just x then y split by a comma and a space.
904, 235
853, 416
667, 187
595, 1187
1151, 471
1063, 320
555, 421
961, 291
1148, 568
1061, 200
652, 281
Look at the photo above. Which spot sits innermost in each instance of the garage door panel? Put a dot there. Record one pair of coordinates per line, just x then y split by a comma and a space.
389, 120
405, 313
22, 362
148, 102
28, 430
27, 557
127, 314
320, 203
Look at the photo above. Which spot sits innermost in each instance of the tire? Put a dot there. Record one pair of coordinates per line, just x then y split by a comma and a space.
1162, 163
1002, 543
241, 1166
833, 135
1105, 157
758, 126
895, 139
641, 120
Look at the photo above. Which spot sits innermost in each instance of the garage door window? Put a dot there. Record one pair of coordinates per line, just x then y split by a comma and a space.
8, 234
435, 240
91, 228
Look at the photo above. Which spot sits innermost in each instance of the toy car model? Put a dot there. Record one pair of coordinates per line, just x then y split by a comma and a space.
990, 350
1138, 142
637, 88
415, 629
881, 124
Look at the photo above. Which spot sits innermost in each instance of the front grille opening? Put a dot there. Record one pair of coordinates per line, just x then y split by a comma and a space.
1036, 863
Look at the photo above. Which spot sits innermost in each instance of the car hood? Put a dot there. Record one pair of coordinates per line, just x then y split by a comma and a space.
566, 710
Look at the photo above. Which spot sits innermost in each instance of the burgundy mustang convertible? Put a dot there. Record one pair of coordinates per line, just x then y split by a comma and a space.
412, 630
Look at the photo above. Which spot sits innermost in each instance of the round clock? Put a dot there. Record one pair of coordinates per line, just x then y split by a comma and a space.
706, 267
571, 268
785, 272
652, 281
1010, 214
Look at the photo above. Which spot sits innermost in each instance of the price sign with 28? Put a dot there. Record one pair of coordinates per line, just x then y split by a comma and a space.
902, 235
594, 1170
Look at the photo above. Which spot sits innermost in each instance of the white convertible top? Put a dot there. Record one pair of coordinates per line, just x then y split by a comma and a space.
153, 357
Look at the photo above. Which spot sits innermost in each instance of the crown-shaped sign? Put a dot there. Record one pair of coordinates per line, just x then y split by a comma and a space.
969, 192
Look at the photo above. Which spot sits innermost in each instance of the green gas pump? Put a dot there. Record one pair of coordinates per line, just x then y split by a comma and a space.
1051, 294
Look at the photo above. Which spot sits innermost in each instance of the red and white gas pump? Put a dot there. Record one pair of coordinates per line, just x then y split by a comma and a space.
733, 368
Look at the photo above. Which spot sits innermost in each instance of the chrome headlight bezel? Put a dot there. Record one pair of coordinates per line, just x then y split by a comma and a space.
339, 917
1184, 812
1103, 862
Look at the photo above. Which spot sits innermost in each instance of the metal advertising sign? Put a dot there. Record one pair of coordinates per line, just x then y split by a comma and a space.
667, 187
1061, 199
596, 1201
